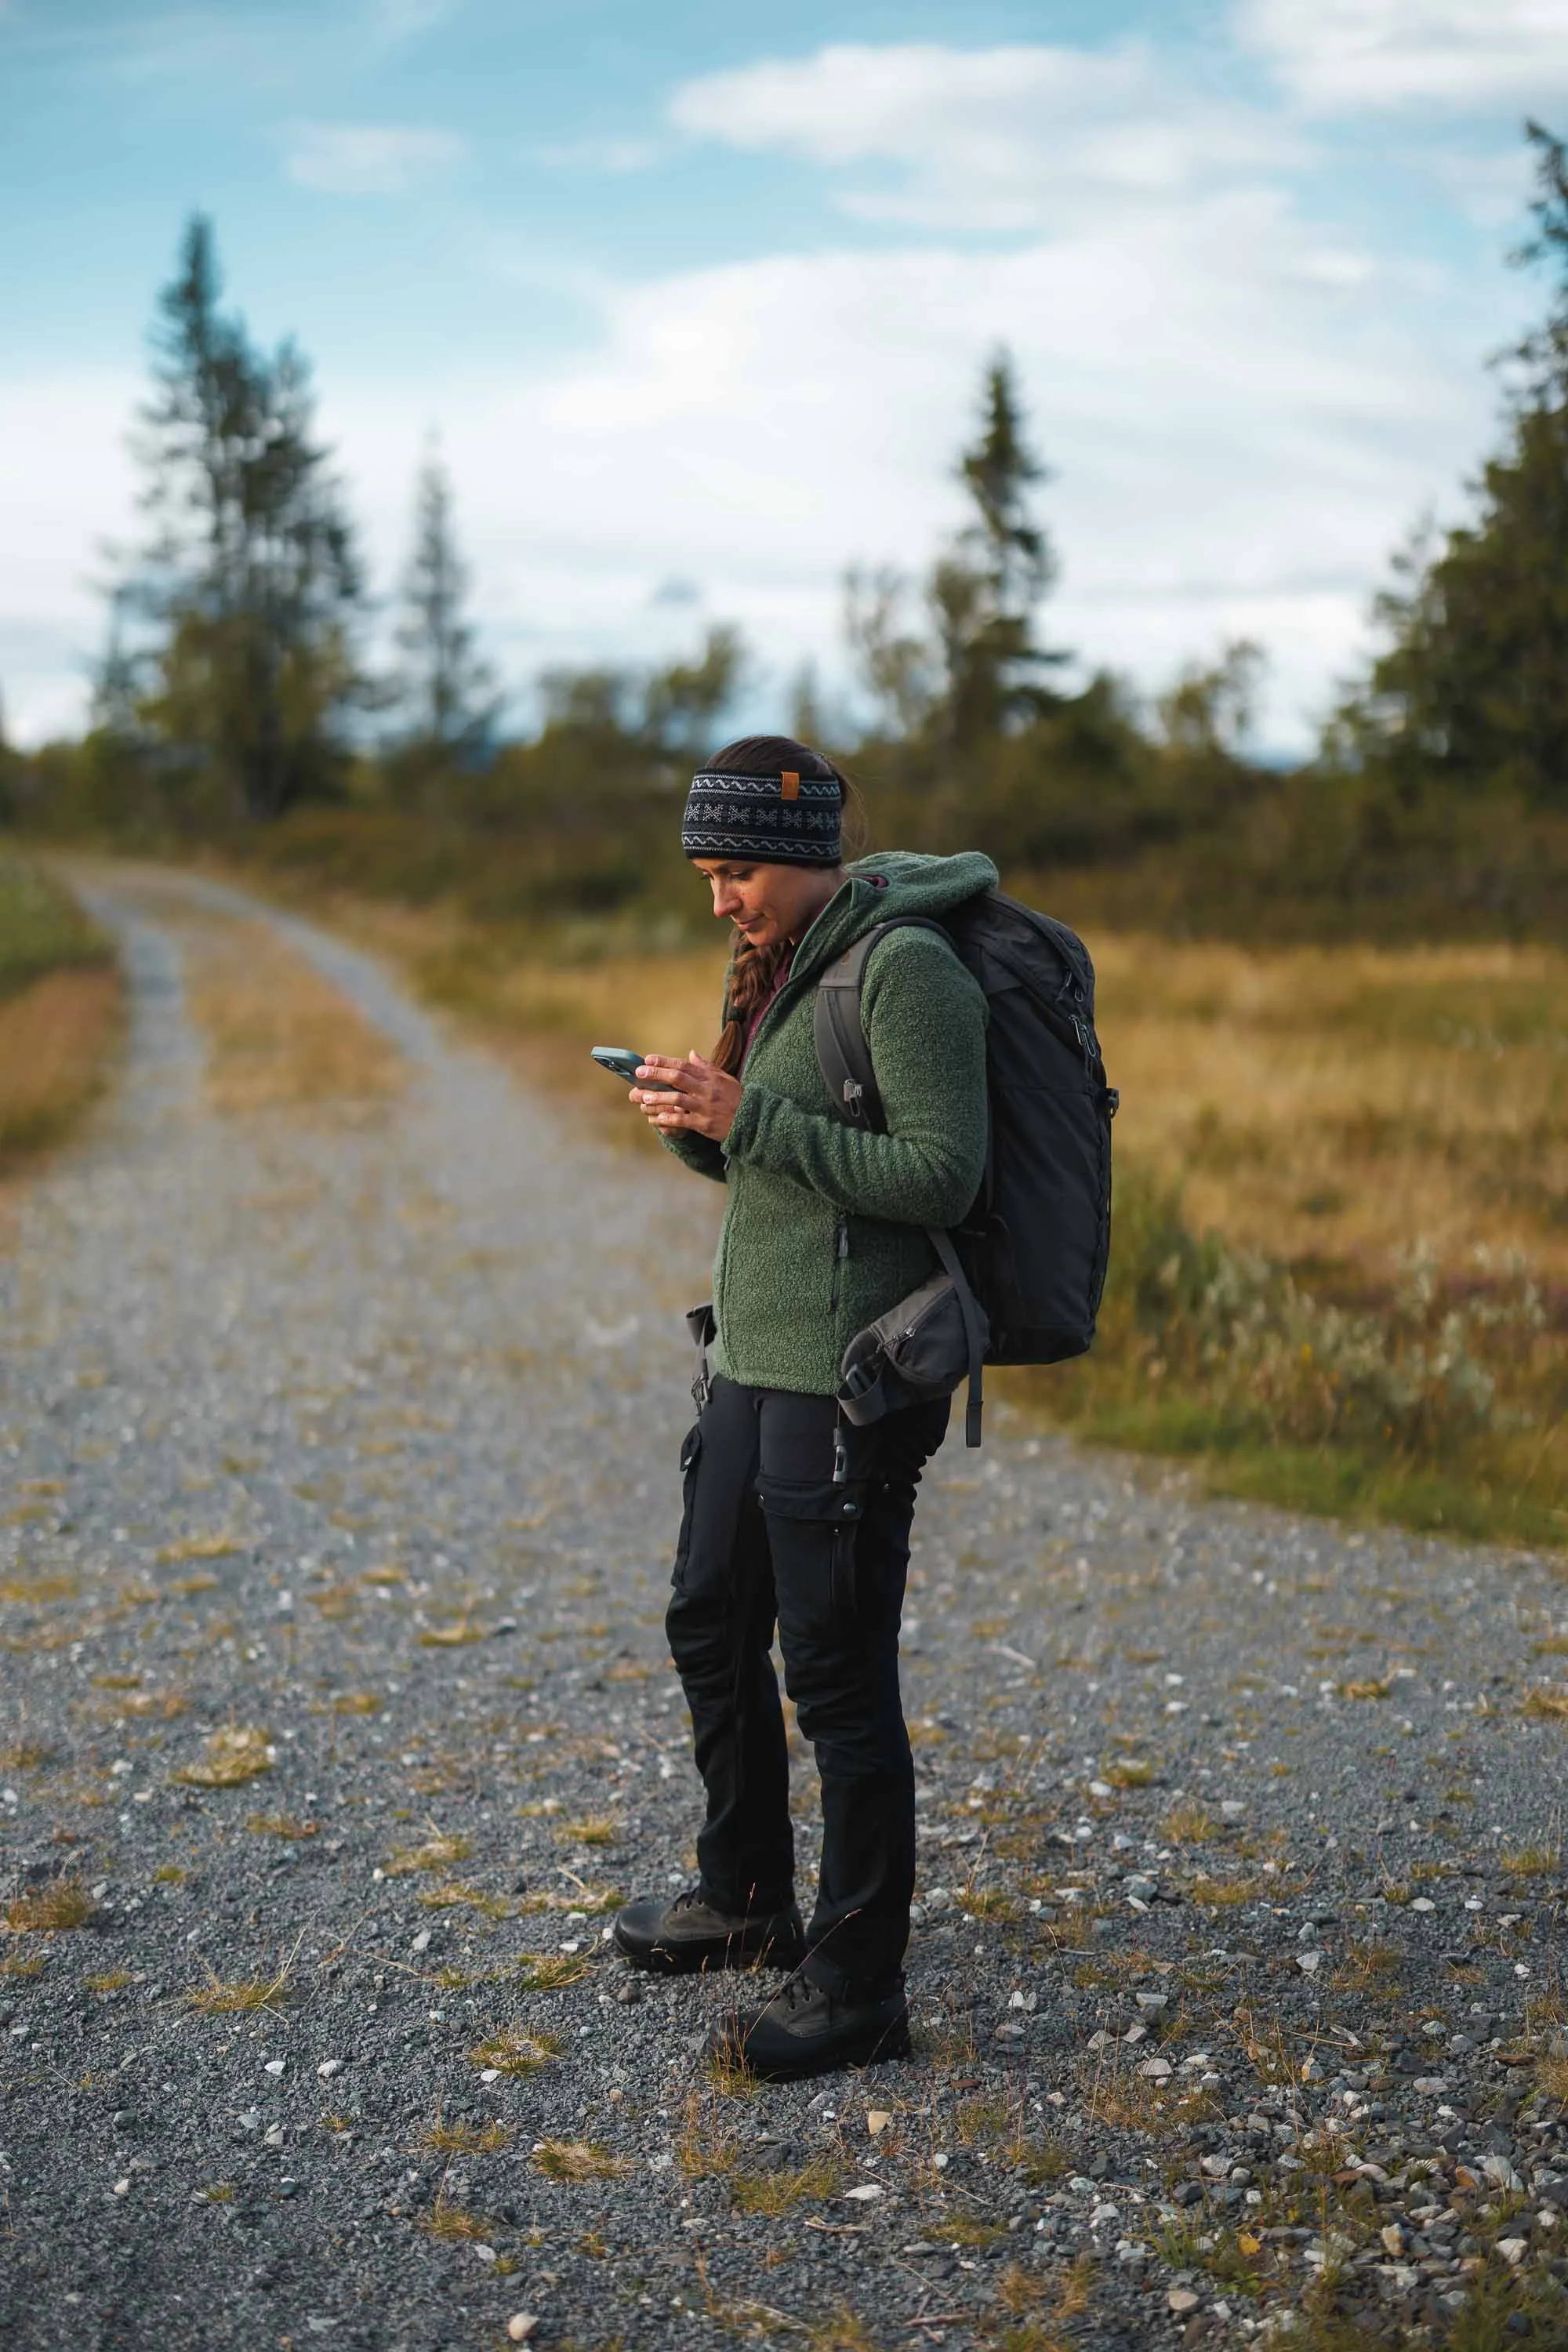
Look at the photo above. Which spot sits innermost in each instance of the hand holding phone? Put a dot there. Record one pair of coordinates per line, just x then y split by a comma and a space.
619, 1060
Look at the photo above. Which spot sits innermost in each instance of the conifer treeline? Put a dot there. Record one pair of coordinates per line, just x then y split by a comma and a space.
235, 691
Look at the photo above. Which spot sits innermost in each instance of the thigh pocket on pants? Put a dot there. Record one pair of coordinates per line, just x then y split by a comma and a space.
817, 1518
690, 1454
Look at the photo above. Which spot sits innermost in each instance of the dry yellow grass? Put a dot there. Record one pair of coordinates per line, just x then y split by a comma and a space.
277, 1034
1341, 1102
578, 2160
56, 1038
779, 2192
456, 2222
515, 2052
241, 1996
436, 1854
465, 2139
49, 1910
217, 1547
1313, 1103
234, 1755
1389, 1126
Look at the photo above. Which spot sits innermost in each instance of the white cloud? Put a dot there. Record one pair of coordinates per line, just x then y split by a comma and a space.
1337, 54
65, 486
1244, 413
1240, 439
367, 159
998, 139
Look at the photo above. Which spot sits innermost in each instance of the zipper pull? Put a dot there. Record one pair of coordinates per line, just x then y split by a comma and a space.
843, 1236
840, 1455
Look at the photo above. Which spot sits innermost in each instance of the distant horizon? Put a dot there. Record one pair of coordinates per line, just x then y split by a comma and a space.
699, 314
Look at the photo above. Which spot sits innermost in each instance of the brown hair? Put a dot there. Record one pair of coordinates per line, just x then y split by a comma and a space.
753, 970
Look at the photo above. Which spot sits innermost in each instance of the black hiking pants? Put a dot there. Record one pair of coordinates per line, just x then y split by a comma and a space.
766, 1536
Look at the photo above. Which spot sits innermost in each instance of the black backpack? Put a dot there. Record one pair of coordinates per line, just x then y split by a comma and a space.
1034, 1247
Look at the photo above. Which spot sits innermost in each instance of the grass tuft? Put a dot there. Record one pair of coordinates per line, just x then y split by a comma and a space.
515, 2052
233, 1756
466, 2139
218, 1546
579, 2161
457, 2225
241, 1996
453, 1896
1188, 1824
1224, 1893
436, 1854
552, 1972
1531, 1860
779, 2192
597, 1829
841, 2331
51, 1910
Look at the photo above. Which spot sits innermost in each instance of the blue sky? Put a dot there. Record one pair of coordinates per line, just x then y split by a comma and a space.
700, 296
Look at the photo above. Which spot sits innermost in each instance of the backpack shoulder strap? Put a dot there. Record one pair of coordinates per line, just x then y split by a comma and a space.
839, 1031
844, 1057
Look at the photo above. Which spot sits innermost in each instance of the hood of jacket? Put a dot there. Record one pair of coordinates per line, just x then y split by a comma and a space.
897, 882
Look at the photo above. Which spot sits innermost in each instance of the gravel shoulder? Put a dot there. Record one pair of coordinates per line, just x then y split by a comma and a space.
337, 1491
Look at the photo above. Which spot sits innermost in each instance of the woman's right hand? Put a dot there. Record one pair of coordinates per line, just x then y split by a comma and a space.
695, 1096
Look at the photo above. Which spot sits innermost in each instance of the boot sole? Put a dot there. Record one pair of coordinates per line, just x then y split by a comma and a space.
892, 2043
670, 1960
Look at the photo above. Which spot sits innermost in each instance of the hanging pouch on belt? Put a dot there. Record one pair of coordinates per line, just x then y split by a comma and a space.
920, 1349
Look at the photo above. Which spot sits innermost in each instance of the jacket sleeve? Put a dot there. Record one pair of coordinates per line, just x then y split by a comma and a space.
925, 1024
699, 1151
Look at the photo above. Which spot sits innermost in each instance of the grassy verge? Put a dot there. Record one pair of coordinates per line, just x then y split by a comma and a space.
1432, 1400
1340, 1266
60, 1010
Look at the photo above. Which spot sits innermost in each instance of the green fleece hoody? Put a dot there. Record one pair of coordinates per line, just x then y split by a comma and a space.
823, 1227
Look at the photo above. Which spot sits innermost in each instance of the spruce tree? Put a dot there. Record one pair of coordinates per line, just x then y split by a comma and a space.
249, 589
446, 690
1472, 690
984, 593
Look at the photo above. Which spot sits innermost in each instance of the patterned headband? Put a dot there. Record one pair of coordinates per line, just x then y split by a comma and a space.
783, 820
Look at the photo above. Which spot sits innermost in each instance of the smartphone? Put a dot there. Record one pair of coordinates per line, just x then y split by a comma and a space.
619, 1060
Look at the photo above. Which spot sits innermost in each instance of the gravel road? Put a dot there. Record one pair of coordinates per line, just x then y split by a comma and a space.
338, 1468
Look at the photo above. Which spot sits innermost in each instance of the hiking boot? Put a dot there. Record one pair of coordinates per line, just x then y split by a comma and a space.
693, 1933
805, 2029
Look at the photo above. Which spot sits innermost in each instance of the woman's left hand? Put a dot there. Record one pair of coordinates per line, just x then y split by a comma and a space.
693, 1095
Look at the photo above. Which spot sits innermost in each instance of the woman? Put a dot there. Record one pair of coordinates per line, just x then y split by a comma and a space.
790, 1512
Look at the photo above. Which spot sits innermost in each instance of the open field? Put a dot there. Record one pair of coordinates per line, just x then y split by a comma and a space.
60, 1010
1339, 1271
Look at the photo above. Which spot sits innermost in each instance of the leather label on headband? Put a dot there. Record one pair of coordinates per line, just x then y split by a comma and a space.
790, 785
